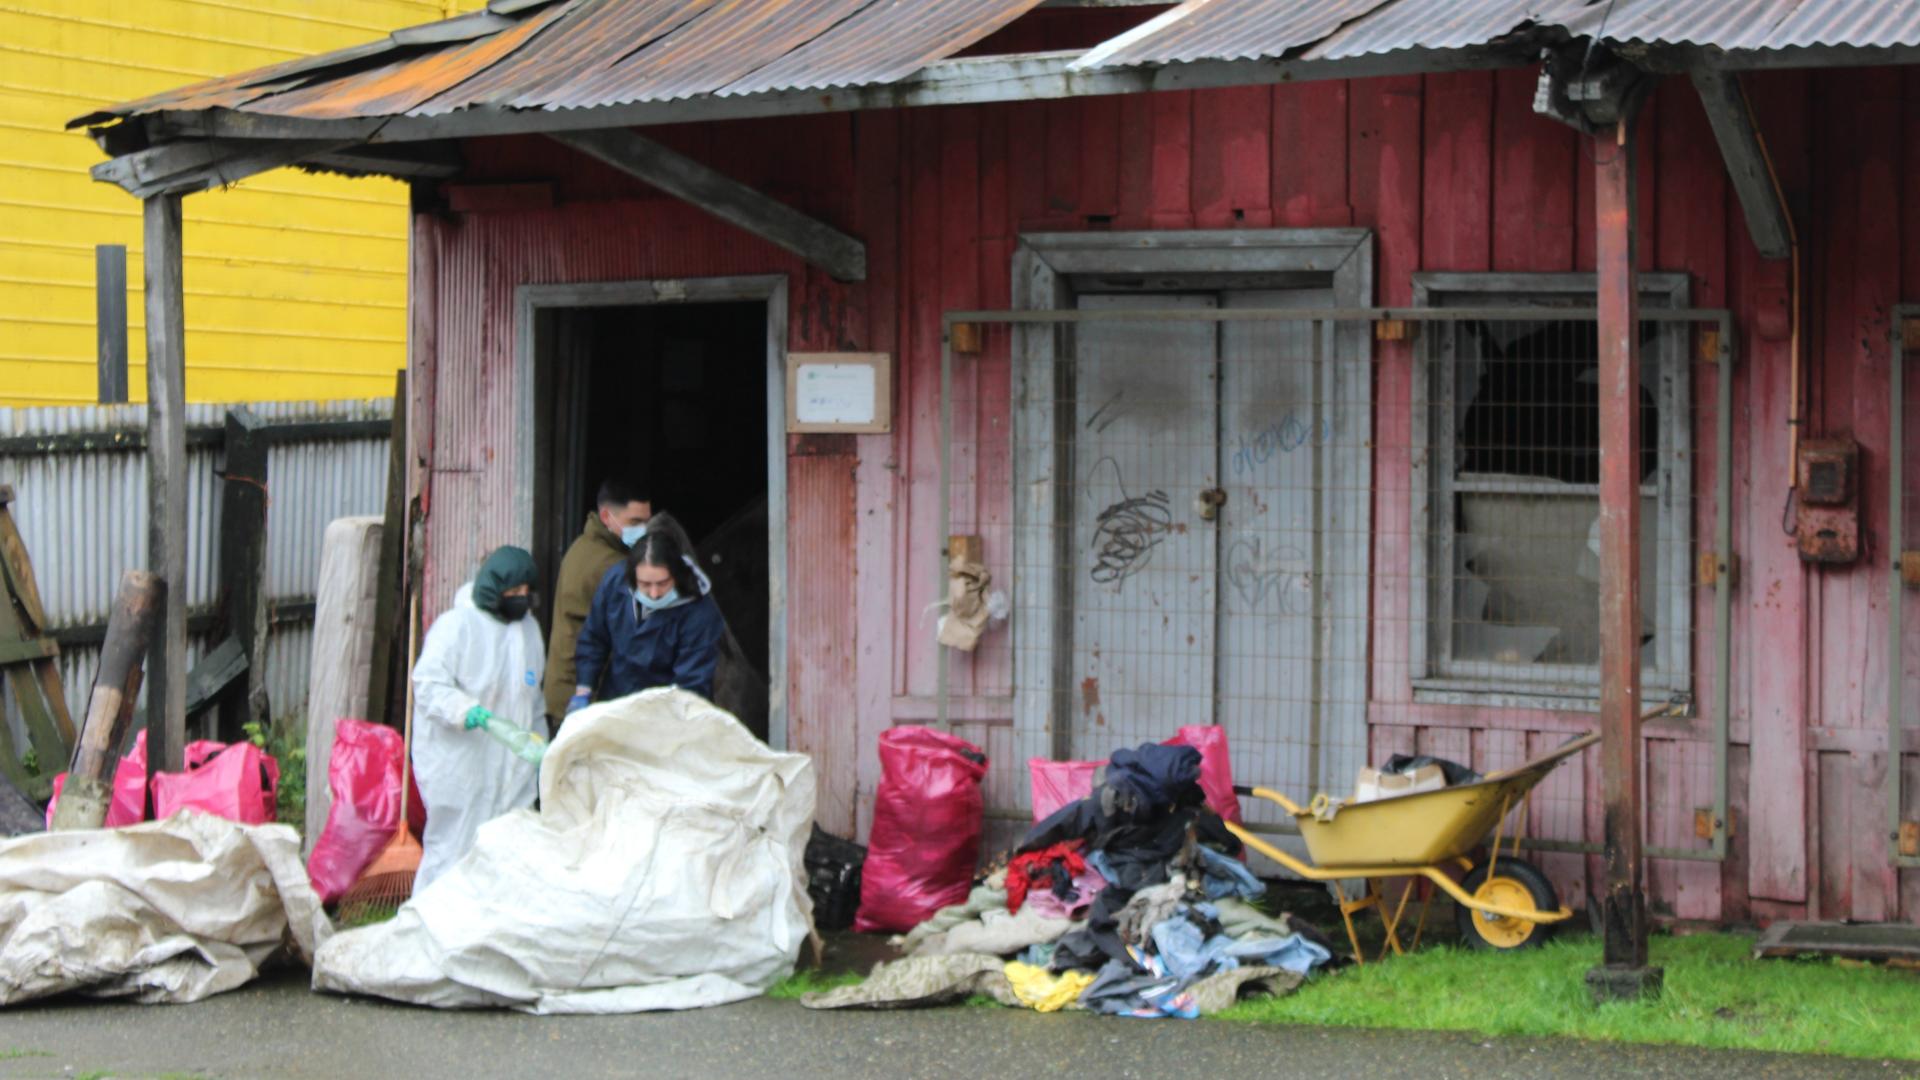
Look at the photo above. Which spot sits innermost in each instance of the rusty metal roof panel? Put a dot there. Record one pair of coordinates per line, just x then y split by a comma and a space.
883, 42
591, 36
1229, 30
1444, 24
701, 55
1859, 23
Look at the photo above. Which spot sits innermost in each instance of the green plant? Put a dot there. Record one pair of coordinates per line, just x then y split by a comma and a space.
807, 982
1716, 995
287, 742
30, 761
15, 1053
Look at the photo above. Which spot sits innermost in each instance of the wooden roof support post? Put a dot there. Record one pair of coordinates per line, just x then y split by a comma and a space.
731, 201
1624, 972
166, 483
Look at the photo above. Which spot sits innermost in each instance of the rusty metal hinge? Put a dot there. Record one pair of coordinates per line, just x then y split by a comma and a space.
1714, 563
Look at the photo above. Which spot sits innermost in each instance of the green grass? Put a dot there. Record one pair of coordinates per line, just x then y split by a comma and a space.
1716, 996
15, 1053
807, 982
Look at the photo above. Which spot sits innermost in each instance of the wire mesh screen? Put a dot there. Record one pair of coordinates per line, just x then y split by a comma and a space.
1339, 537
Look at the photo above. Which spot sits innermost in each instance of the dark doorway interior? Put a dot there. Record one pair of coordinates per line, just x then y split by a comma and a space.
672, 397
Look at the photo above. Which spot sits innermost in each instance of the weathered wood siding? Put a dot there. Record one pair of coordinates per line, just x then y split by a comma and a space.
1451, 172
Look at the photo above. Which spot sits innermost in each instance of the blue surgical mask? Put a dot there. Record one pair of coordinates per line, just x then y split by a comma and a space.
632, 534
650, 604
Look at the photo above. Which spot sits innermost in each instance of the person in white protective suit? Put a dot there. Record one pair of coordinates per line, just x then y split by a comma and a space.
482, 660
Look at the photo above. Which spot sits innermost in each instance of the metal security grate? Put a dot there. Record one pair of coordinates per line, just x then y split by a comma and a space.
1338, 533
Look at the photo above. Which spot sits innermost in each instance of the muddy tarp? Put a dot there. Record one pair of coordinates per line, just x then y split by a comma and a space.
167, 911
663, 870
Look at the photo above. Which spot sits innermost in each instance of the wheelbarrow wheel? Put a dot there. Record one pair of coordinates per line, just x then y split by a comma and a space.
1516, 885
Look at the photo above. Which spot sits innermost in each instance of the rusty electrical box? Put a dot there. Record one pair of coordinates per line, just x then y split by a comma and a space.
1829, 484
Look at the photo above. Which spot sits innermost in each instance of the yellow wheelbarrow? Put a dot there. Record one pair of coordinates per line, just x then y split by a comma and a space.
1504, 902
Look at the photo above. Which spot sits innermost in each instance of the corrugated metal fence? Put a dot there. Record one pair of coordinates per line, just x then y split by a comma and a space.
80, 477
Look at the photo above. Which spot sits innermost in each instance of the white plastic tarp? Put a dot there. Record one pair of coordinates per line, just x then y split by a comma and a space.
164, 912
662, 871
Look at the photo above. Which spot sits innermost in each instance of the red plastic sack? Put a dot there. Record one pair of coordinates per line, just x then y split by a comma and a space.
926, 828
364, 775
1216, 766
1058, 783
238, 782
129, 804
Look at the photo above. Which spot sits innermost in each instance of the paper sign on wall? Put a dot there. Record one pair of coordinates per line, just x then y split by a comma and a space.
844, 392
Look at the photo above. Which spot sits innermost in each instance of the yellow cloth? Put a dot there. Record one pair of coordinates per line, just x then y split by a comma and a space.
1040, 989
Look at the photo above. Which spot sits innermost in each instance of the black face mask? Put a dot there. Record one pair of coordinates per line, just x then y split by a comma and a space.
515, 608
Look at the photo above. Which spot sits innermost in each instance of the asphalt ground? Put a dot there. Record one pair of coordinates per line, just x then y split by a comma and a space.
278, 1028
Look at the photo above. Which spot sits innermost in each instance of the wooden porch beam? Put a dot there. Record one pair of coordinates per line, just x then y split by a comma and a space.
182, 168
725, 198
1741, 149
166, 482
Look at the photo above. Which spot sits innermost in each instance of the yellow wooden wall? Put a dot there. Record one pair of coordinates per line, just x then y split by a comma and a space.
295, 284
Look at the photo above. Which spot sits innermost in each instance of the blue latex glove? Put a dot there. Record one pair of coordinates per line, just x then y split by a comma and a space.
478, 716
576, 703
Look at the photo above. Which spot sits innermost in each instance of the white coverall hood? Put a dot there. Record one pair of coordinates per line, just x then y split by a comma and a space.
467, 779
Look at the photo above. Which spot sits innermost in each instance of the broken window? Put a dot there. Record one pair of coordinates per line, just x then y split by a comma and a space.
1513, 522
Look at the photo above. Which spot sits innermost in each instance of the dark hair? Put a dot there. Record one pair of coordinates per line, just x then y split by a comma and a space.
665, 522
662, 548
620, 493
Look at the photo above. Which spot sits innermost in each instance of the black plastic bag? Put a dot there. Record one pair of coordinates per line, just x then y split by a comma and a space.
833, 879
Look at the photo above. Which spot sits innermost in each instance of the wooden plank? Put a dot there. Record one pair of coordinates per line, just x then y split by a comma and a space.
1733, 129
1774, 579
110, 321
1172, 199
1456, 226
959, 289
993, 661
1133, 176
1100, 157
1309, 145
388, 666
725, 198
1062, 157
877, 172
183, 168
1557, 811
1384, 119
166, 481
1232, 158
1533, 181
1835, 816
223, 666
920, 375
1735, 906
243, 568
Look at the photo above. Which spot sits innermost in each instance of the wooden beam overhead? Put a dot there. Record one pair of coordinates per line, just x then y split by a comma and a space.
183, 168
1746, 160
725, 198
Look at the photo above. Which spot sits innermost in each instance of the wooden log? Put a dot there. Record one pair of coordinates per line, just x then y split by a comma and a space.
387, 670
343, 631
116, 686
166, 482
243, 568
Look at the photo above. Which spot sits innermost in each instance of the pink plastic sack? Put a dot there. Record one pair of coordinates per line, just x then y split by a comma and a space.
1216, 766
1058, 783
364, 775
129, 803
238, 782
926, 828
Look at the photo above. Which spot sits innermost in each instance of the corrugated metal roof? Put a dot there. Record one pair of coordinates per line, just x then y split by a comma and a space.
581, 54
576, 54
1342, 29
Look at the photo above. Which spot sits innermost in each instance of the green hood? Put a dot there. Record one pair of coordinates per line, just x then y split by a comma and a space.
506, 568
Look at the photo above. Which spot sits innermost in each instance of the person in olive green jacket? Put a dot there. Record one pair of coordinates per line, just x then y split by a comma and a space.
618, 522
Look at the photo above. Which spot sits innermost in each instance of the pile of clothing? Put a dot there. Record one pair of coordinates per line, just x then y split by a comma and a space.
1132, 902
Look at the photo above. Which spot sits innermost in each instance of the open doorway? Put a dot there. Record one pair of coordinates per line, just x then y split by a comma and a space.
673, 397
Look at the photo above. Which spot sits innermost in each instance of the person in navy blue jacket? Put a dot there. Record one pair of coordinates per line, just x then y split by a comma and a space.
651, 625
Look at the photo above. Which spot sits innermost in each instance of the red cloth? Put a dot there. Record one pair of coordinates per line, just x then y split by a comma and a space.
1024, 869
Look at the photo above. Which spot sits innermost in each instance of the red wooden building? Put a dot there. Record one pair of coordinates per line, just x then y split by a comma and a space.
1425, 581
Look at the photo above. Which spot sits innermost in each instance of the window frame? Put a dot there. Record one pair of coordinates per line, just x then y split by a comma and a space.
1435, 675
